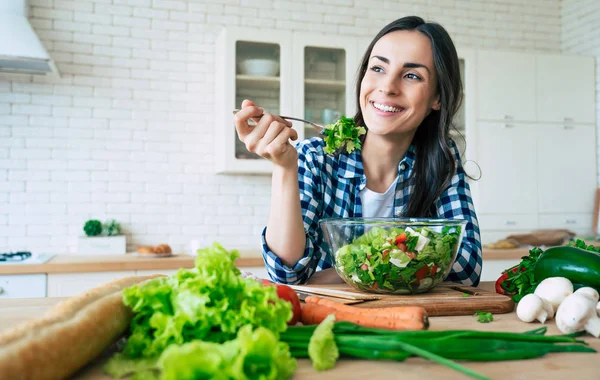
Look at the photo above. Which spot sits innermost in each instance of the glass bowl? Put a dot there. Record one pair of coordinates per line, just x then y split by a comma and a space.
393, 255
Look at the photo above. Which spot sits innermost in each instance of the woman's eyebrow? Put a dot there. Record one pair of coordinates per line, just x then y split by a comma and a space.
409, 65
412, 65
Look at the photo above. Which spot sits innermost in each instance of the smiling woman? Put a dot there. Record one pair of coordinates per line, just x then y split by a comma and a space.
408, 91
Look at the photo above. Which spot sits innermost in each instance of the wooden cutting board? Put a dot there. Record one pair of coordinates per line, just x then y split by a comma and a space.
444, 299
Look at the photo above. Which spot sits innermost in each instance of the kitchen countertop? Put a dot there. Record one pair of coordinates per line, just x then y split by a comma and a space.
553, 366
76, 263
517, 253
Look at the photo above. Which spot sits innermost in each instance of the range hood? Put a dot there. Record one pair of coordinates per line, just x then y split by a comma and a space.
21, 51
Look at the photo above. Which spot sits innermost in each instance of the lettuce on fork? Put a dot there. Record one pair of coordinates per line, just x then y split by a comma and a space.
214, 307
343, 134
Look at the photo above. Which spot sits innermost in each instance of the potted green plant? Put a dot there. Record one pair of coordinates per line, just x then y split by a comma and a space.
102, 238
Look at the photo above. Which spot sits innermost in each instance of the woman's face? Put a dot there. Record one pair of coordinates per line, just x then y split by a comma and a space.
399, 88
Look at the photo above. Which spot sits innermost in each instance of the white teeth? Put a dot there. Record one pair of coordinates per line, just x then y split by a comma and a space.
386, 108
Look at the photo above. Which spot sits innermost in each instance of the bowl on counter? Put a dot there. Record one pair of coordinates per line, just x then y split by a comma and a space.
393, 255
259, 67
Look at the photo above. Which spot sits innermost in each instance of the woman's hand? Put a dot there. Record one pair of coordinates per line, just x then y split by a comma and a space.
269, 138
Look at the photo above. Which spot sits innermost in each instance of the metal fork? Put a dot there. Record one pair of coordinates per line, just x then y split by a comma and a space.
318, 127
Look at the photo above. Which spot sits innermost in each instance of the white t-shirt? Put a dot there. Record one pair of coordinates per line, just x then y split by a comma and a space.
378, 205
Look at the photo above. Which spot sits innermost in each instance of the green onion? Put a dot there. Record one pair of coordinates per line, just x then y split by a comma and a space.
439, 346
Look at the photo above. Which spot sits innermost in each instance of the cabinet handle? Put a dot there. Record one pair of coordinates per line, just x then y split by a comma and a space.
571, 221
510, 222
568, 127
507, 125
507, 117
568, 119
1, 290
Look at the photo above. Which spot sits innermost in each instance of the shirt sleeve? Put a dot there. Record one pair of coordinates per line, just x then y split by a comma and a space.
456, 203
315, 256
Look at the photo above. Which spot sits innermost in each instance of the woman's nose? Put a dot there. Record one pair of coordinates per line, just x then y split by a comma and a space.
389, 86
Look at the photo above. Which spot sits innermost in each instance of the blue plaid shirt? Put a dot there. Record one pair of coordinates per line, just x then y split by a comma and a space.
329, 188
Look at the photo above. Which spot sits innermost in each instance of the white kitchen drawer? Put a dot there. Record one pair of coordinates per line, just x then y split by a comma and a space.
519, 222
69, 284
579, 223
23, 286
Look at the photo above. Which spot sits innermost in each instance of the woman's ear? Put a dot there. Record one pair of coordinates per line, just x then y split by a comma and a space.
436, 104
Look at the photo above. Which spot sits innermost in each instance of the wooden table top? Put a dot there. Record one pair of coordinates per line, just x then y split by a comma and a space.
553, 366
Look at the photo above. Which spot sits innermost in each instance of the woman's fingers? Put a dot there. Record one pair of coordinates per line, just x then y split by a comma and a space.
248, 103
280, 143
269, 138
275, 128
240, 120
253, 139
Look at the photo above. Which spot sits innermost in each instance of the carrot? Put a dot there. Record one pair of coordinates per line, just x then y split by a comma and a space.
314, 313
397, 312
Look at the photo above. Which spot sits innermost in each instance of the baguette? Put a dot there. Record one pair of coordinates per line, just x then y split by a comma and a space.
69, 335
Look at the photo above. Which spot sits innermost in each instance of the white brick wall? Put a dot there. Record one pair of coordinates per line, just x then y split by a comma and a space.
580, 20
127, 132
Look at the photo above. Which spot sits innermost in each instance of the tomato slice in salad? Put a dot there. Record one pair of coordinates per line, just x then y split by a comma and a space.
434, 269
400, 238
421, 273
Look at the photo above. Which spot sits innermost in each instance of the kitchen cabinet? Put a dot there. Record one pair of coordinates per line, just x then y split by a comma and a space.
240, 75
580, 223
69, 284
507, 158
23, 286
516, 86
314, 80
535, 176
566, 173
506, 86
565, 90
536, 143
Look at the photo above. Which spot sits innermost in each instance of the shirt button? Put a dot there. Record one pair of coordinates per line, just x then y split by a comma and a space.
402, 166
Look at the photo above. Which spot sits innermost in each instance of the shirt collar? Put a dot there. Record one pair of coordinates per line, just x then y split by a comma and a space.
351, 166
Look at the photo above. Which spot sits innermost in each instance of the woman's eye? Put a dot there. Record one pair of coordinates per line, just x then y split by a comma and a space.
377, 69
412, 76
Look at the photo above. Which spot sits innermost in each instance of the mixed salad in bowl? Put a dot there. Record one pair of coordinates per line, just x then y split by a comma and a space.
395, 257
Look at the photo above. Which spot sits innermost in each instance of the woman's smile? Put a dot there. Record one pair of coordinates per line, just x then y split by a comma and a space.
386, 109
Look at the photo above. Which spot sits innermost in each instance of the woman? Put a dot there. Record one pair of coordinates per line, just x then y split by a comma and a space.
408, 91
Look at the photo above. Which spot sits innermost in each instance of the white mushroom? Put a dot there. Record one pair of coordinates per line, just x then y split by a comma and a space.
591, 293
532, 307
576, 313
554, 290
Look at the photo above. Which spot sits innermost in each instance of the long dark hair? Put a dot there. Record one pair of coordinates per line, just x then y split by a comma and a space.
434, 163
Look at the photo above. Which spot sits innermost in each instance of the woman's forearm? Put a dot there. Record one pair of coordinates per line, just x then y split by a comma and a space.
285, 229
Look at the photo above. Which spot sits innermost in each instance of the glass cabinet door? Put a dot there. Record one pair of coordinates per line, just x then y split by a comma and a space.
324, 70
257, 78
324, 86
251, 64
